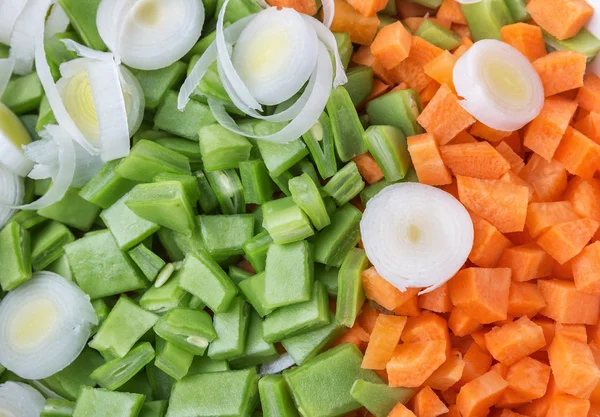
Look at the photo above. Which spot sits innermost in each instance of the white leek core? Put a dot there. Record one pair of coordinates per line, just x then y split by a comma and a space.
416, 236
45, 325
150, 34
20, 400
499, 86
12, 191
13, 135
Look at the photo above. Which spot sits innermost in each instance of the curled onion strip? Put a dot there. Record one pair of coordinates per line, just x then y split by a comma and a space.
12, 191
57, 22
11, 9
7, 66
20, 400
328, 12
23, 39
328, 40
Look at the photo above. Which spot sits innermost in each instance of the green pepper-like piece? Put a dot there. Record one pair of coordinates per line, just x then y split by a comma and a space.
336, 240
319, 140
397, 108
486, 18
379, 399
186, 123
345, 125
360, 84
116, 372
388, 146
344, 46
103, 403
15, 256
156, 83
351, 296
346, 184
437, 35
171, 359
583, 42
191, 330
307, 196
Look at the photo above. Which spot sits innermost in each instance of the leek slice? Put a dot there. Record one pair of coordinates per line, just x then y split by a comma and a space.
20, 400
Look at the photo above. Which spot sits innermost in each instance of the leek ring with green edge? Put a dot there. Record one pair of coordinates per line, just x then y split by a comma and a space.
13, 136
499, 85
150, 34
416, 235
12, 191
20, 400
11, 9
45, 325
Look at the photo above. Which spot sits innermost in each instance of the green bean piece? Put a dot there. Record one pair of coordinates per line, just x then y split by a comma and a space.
328, 276
156, 83
388, 146
186, 123
115, 373
15, 256
47, 244
28, 219
139, 384
228, 189
345, 47
46, 116
351, 296
306, 167
518, 10
437, 35
222, 149
82, 15
253, 290
125, 325
238, 9
171, 359
41, 187
298, 318
23, 94
345, 125
346, 184
279, 157
205, 365
321, 386
178, 244
147, 159
189, 183
208, 200
230, 393
167, 297
255, 250
154, 409
191, 330
397, 108
319, 140
333, 243
224, 235
101, 309
378, 398
432, 4
147, 261
256, 351
486, 18
160, 383
282, 182
231, 327
184, 147
103, 403
307, 196
195, 303
57, 52
100, 268
106, 187
307, 345
360, 84
583, 42
238, 274
58, 408
202, 45
275, 398
257, 184
201, 276
72, 210
285, 221
210, 86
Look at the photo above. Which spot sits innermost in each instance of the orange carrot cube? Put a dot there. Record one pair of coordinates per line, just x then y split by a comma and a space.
561, 18
391, 45
579, 154
527, 262
527, 39
514, 341
566, 240
425, 154
476, 397
561, 70
565, 304
586, 269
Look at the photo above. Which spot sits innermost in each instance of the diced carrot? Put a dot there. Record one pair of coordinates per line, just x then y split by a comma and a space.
383, 341
561, 18
382, 292
528, 378
593, 333
579, 154
425, 154
451, 189
477, 362
407, 8
448, 374
586, 269
595, 395
540, 407
425, 328
527, 39
514, 341
542, 216
362, 29
510, 399
450, 395
488, 243
461, 323
566, 240
368, 168
355, 335
426, 94
485, 132
423, 51
527, 262
514, 141
363, 56
453, 409
368, 317
565, 304
584, 196
477, 396
368, 8
508, 413
437, 300
400, 410
548, 326
568, 406
391, 45
444, 116
482, 293
379, 89
428, 404
477, 160
309, 7
500, 368
413, 363
544, 133
462, 137
549, 179
412, 73
414, 23
520, 238
589, 125
441, 68
501, 203
561, 71
401, 86
515, 161
588, 96
594, 410
576, 332
512, 178
524, 299
479, 338
450, 10
409, 308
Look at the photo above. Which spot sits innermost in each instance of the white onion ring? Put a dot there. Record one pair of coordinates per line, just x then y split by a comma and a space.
57, 21
20, 400
11, 9
12, 191
22, 39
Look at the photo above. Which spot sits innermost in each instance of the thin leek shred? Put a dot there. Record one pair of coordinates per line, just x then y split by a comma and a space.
22, 38
11, 10
57, 21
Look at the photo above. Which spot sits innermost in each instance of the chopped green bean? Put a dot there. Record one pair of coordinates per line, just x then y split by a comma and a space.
346, 184
58, 408
222, 149
345, 125
82, 15
103, 403
228, 189
106, 187
116, 372
256, 350
208, 199
15, 256
360, 84
186, 123
253, 290
255, 250
379, 399
307, 196
165, 298
257, 184
285, 221
231, 327
275, 398
171, 359
320, 142
147, 261
397, 108
72, 210
191, 330
351, 296
336, 240
388, 146
224, 235
156, 83
328, 275
344, 45
189, 183
205, 365
486, 18
437, 35
23, 94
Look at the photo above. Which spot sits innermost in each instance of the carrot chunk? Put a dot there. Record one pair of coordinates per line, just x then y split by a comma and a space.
448, 374
540, 407
527, 262
362, 29
485, 132
309, 7
441, 69
428, 163
566, 240
514, 341
589, 125
423, 51
400, 410
409, 308
561, 70
413, 363
568, 406
461, 323
368, 7
544, 133
382, 292
355, 335
547, 325
425, 328
368, 168
368, 317
584, 196
548, 179
588, 96
542, 216
477, 160
565, 304
488, 243
561, 18
444, 117
383, 341
586, 269
476, 397
437, 300
428, 404
508, 413
412, 73
503, 204
515, 161
579, 154
477, 362
527, 39
450, 10
524, 299
391, 45
482, 293
379, 89
528, 378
